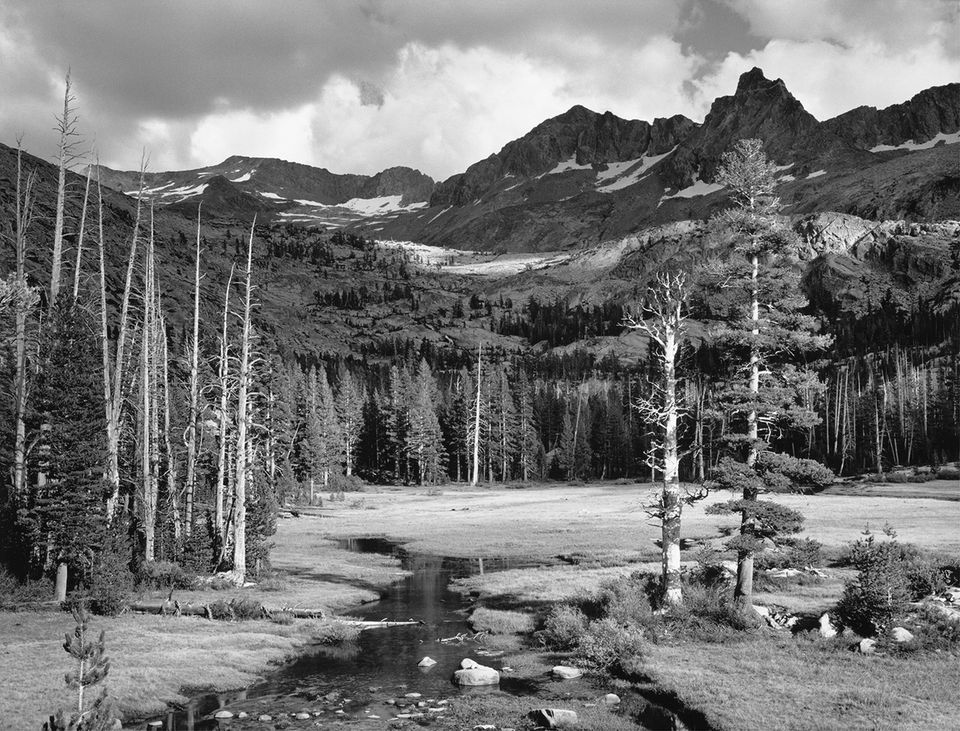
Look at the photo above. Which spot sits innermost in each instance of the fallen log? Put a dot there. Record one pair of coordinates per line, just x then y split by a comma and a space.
174, 608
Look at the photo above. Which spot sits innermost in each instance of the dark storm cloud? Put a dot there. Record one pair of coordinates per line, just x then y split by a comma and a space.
358, 85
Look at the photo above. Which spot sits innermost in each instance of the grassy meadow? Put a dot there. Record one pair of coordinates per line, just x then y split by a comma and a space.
762, 680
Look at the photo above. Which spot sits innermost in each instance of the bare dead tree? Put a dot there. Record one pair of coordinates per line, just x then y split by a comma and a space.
83, 227
25, 301
243, 417
224, 382
147, 405
191, 441
476, 422
113, 377
663, 321
67, 155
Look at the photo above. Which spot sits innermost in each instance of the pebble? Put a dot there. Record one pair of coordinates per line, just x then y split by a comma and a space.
265, 717
242, 715
611, 699
302, 716
223, 714
413, 695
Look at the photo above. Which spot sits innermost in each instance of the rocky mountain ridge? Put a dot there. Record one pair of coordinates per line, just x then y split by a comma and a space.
584, 177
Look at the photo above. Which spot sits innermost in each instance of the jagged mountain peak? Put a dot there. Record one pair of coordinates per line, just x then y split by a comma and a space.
756, 80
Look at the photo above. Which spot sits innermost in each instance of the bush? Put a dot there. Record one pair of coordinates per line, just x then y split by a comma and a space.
282, 617
563, 627
237, 609
628, 599
499, 622
271, 582
13, 591
342, 483
881, 590
948, 473
335, 632
165, 575
794, 553
111, 584
607, 644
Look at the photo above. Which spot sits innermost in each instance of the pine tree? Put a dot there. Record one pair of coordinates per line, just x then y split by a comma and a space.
92, 667
758, 340
349, 406
424, 443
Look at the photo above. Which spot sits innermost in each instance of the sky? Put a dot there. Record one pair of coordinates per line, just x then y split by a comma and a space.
357, 86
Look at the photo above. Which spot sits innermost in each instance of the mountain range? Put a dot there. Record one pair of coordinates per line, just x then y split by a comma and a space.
582, 177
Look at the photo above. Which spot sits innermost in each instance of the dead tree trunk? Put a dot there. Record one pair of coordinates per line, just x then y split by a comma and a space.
194, 387
665, 326
224, 375
476, 422
240, 483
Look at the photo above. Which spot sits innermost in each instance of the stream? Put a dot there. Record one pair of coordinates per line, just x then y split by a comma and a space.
368, 679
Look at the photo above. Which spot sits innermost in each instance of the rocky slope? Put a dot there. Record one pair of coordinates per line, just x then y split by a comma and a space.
584, 177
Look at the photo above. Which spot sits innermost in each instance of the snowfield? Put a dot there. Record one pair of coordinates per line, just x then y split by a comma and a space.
476, 263
947, 139
630, 173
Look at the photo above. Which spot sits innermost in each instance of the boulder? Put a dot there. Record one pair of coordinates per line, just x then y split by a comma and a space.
554, 718
427, 662
901, 635
473, 673
867, 646
565, 672
223, 714
827, 629
611, 699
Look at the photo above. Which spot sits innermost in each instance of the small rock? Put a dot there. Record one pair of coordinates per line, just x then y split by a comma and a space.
484, 727
427, 662
611, 699
826, 627
264, 717
242, 715
554, 717
901, 635
565, 672
468, 664
867, 646
223, 714
302, 716
412, 695
154, 724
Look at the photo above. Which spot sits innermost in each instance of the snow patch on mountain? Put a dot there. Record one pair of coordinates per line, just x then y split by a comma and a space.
630, 174
816, 174
243, 178
565, 166
947, 139
272, 196
699, 187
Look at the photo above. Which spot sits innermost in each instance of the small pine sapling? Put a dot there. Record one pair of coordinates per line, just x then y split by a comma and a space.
92, 667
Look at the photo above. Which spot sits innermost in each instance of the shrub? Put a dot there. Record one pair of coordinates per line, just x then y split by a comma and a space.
628, 599
794, 553
881, 589
110, 585
948, 473
237, 609
335, 632
13, 591
342, 483
282, 617
221, 583
563, 627
499, 622
271, 582
608, 643
165, 575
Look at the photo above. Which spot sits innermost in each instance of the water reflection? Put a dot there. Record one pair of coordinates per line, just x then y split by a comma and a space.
383, 662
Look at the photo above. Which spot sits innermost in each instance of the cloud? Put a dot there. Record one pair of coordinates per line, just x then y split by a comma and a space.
360, 85
829, 79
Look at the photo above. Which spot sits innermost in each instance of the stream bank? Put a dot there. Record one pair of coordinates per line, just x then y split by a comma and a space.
375, 682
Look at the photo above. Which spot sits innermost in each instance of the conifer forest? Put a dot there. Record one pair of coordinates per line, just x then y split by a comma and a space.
680, 374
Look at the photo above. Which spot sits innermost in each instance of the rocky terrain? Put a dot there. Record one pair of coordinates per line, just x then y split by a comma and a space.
583, 178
